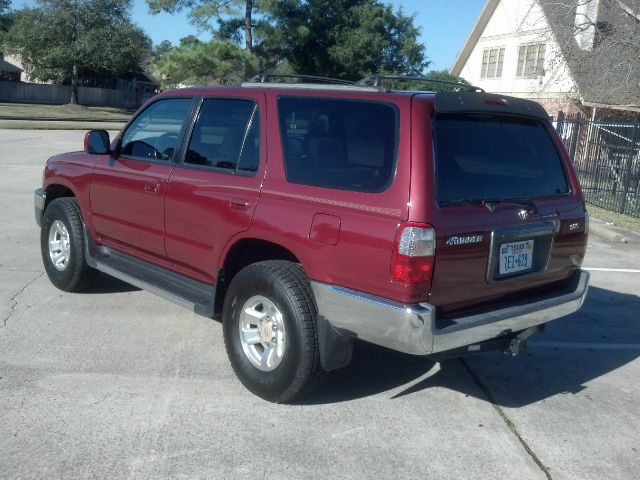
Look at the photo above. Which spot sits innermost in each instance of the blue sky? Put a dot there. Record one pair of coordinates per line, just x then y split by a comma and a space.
445, 25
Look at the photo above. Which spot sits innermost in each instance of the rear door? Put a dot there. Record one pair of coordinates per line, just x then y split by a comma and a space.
213, 191
508, 214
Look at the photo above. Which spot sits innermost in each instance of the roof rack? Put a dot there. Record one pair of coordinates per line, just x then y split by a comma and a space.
266, 78
376, 81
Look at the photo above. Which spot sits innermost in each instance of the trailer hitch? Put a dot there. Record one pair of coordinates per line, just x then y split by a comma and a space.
518, 343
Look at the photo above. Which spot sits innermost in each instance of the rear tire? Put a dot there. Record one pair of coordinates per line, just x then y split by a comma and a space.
270, 331
62, 244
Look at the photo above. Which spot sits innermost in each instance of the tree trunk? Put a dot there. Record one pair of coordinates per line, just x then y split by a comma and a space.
248, 36
74, 85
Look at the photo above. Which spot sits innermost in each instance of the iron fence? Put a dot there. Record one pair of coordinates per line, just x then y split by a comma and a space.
606, 156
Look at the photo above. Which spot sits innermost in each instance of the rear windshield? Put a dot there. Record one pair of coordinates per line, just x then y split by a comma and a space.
484, 157
342, 144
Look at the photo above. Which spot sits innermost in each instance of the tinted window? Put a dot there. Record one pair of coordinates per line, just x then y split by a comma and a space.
487, 156
154, 133
340, 144
226, 135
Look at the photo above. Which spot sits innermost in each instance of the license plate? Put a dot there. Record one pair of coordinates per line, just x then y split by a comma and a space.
515, 257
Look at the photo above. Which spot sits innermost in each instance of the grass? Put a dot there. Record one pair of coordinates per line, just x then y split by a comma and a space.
36, 112
618, 219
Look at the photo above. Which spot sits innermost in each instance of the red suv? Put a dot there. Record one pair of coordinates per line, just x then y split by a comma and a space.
310, 215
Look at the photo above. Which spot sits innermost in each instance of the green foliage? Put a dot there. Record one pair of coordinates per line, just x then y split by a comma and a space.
439, 75
346, 39
162, 48
204, 63
5, 19
202, 13
94, 37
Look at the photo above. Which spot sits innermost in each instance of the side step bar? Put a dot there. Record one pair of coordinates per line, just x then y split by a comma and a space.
196, 296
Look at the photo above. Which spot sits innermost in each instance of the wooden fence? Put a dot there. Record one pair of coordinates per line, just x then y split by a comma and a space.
20, 92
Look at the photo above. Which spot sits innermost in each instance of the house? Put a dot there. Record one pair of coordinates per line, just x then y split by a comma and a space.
569, 55
9, 71
129, 90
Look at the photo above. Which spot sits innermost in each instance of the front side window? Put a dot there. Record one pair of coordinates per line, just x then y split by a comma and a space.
492, 60
154, 134
342, 144
531, 60
226, 136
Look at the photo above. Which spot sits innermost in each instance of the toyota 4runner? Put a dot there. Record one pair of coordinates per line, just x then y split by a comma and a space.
309, 215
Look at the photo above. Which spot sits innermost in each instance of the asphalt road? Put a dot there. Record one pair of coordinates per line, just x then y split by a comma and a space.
118, 383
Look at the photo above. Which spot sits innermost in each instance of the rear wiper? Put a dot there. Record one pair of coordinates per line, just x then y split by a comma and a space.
491, 203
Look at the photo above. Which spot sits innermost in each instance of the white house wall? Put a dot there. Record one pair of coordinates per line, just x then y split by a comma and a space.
514, 23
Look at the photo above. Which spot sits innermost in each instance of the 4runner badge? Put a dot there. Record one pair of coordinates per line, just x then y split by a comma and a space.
464, 240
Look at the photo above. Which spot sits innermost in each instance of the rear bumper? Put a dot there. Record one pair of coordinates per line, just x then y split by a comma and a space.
39, 200
412, 328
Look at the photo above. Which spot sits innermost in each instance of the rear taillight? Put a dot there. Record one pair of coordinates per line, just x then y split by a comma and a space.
413, 254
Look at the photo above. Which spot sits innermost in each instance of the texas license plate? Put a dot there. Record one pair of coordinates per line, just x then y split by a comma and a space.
516, 257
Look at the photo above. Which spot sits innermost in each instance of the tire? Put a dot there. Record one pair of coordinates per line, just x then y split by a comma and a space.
62, 244
285, 367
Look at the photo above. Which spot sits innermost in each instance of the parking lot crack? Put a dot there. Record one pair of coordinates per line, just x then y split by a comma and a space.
13, 301
512, 427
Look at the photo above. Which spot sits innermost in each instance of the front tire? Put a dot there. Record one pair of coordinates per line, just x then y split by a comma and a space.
270, 331
62, 244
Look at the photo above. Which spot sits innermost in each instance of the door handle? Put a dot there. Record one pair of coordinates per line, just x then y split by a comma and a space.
239, 204
152, 187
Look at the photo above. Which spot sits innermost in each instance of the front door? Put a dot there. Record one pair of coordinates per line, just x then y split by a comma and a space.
128, 189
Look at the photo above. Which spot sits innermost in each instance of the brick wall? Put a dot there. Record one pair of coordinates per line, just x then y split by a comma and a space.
569, 106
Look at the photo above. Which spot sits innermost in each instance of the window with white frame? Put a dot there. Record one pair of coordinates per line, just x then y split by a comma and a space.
530, 60
492, 60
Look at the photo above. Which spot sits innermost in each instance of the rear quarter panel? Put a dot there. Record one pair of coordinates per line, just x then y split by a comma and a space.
360, 259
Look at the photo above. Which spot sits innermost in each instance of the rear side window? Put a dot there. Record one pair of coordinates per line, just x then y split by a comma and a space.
154, 134
483, 157
226, 136
342, 144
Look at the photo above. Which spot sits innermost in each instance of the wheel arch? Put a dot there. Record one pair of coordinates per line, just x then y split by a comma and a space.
57, 190
335, 348
241, 252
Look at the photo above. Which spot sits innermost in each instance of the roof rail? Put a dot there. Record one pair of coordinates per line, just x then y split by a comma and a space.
376, 81
266, 78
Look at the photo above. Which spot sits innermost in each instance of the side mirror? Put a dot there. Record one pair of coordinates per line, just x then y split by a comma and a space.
97, 142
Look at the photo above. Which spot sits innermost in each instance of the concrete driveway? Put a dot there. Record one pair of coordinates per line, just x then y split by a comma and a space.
118, 383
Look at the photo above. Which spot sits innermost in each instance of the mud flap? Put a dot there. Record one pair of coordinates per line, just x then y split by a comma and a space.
336, 349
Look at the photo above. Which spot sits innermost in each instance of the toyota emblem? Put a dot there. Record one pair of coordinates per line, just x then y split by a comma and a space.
523, 214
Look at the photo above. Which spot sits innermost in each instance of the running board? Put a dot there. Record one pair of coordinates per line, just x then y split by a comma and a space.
187, 292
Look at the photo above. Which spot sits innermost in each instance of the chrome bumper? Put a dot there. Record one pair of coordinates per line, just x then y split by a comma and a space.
412, 328
39, 200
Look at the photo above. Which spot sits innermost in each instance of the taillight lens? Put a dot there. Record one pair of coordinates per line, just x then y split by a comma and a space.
413, 254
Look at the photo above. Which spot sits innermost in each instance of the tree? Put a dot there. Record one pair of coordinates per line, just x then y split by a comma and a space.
204, 63
444, 75
232, 16
599, 41
64, 40
5, 18
340, 38
161, 49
